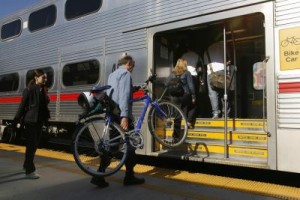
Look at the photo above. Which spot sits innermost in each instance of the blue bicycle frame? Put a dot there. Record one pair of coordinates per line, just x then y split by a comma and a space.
148, 101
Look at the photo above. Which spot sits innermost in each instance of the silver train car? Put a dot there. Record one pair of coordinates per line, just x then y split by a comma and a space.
78, 44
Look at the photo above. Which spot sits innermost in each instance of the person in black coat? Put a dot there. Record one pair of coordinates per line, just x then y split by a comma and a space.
33, 111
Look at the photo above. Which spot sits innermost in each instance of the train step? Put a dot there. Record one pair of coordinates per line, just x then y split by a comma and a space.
198, 149
232, 124
247, 142
248, 138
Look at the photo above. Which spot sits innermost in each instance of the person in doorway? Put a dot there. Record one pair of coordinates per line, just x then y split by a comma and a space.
34, 112
214, 59
188, 99
193, 63
121, 92
193, 60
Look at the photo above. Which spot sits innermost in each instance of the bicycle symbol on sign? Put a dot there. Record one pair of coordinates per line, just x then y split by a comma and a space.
290, 40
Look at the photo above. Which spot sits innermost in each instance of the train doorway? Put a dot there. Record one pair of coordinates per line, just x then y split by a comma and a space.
245, 44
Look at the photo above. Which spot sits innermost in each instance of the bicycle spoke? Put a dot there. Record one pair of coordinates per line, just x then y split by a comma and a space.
95, 131
170, 130
99, 151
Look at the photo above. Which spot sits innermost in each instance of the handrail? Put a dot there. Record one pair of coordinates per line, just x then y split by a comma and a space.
264, 93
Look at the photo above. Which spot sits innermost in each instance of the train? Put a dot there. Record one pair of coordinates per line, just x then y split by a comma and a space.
78, 43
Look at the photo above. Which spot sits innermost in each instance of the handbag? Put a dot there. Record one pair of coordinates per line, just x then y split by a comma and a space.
218, 80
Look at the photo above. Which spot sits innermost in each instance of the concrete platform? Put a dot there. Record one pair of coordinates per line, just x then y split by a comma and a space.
62, 179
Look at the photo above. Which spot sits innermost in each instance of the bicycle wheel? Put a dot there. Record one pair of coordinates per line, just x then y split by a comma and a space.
284, 43
168, 125
99, 149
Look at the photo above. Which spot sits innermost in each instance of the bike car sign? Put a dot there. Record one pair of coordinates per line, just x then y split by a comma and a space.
289, 48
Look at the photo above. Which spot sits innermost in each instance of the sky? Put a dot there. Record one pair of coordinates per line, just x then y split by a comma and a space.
9, 6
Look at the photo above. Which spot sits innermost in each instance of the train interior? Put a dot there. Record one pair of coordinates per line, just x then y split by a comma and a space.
245, 43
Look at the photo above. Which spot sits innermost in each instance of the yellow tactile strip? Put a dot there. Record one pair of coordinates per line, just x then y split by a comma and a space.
267, 189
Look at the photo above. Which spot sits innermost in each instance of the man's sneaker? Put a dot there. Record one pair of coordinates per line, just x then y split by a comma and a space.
100, 182
32, 175
132, 180
216, 114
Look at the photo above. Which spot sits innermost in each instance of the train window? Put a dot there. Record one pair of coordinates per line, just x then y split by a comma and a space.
78, 8
42, 18
50, 76
12, 29
9, 82
82, 73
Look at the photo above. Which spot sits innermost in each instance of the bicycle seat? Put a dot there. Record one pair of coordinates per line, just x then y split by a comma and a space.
97, 89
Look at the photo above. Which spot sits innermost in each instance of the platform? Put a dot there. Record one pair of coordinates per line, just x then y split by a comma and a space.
62, 179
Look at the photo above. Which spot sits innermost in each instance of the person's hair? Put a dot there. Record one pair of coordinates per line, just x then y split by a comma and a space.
124, 60
180, 67
35, 73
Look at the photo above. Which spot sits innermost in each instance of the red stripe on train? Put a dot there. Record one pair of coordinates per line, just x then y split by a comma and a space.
69, 97
292, 87
53, 97
10, 100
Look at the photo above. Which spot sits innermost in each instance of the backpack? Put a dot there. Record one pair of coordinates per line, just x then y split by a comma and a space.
175, 86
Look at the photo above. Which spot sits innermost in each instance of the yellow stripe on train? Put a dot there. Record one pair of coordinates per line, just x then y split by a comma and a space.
232, 150
237, 123
245, 137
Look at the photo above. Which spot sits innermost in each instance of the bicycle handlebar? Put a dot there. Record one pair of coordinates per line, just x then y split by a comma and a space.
151, 78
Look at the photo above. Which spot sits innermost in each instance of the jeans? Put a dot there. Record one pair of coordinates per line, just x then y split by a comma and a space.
214, 96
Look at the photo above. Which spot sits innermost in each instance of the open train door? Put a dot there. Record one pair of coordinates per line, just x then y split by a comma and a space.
242, 138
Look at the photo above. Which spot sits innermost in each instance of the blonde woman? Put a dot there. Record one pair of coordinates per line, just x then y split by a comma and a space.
188, 98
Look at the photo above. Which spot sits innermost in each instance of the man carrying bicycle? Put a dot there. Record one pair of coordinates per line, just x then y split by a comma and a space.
121, 92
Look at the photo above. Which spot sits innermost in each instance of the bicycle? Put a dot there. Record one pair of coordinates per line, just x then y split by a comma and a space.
290, 40
98, 137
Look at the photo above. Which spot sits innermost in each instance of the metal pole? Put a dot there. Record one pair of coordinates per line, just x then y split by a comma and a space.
225, 94
234, 75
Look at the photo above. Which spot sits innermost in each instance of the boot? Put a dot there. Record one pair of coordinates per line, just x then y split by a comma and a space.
132, 180
99, 181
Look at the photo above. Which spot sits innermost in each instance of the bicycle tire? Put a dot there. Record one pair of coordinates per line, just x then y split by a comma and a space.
167, 131
284, 43
91, 149
9, 135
